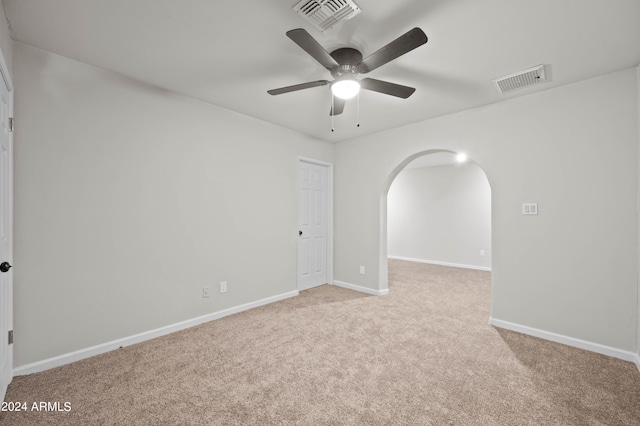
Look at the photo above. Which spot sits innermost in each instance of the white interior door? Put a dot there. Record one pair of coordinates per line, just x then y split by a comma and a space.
313, 213
6, 230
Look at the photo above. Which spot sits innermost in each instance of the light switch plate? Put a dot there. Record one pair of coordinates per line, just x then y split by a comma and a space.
529, 208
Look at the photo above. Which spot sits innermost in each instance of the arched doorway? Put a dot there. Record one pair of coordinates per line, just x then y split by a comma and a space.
473, 253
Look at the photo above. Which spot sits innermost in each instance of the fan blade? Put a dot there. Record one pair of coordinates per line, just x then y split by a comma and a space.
338, 106
387, 88
403, 44
295, 87
303, 39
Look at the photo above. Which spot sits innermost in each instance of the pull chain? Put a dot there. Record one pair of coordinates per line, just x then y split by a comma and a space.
333, 109
358, 111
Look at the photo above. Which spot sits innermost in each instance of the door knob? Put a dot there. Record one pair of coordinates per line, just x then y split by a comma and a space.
299, 232
5, 266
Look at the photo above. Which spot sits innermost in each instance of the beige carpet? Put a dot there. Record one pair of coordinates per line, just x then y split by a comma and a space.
423, 355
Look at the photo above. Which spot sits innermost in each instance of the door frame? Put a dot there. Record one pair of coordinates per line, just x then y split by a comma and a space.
6, 76
329, 240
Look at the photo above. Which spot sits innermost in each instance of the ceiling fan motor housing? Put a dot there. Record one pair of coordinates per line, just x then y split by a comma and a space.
347, 56
349, 59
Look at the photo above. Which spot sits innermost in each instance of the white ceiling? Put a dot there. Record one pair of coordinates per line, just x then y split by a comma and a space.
231, 53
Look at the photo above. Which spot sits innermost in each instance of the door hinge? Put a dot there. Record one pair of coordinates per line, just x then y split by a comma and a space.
11, 124
10, 337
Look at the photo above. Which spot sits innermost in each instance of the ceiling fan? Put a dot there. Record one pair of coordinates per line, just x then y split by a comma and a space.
346, 63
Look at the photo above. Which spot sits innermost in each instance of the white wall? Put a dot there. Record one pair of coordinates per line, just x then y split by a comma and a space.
130, 199
638, 310
441, 214
571, 270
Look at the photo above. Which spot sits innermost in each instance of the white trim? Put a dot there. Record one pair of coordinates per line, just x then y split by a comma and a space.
361, 289
437, 262
141, 337
5, 74
569, 341
313, 161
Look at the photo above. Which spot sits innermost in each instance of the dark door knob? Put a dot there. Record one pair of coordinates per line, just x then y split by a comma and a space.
5, 266
299, 232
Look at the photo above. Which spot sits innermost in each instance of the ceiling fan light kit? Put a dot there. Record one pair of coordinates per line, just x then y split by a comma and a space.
345, 89
346, 63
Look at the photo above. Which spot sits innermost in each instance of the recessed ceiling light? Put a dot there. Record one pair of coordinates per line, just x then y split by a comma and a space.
461, 158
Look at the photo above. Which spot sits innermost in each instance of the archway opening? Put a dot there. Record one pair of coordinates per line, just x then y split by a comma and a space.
436, 209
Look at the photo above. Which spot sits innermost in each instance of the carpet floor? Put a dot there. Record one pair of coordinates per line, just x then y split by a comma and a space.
423, 355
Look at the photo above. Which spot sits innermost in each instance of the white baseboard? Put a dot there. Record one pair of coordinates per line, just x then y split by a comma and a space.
569, 341
437, 262
638, 361
361, 289
141, 337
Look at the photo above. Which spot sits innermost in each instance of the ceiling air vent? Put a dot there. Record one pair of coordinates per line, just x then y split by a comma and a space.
324, 14
520, 79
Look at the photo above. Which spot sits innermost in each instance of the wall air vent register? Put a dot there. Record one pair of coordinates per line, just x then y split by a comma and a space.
324, 14
520, 79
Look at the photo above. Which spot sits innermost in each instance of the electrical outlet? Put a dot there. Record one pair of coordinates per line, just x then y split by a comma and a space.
482, 253
362, 270
223, 287
205, 292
